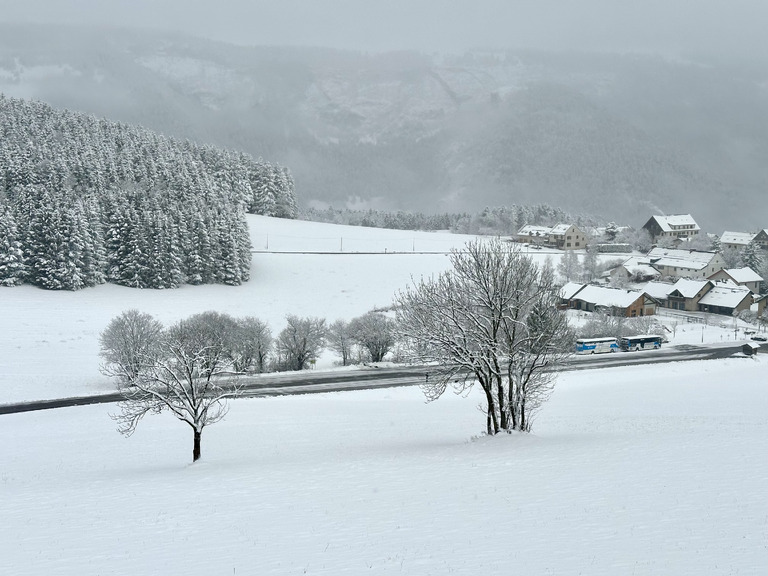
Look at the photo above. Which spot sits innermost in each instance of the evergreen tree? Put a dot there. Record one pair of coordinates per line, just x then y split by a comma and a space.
752, 257
12, 268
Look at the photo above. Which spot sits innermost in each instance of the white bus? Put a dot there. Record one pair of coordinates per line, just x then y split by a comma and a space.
642, 342
596, 345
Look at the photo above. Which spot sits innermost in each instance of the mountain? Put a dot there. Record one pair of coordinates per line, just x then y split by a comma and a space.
621, 135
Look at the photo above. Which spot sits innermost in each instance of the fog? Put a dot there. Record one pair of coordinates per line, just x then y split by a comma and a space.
674, 27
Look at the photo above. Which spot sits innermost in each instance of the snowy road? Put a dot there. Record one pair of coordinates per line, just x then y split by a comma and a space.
389, 377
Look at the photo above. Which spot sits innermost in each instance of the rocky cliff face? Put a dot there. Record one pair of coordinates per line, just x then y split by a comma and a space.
619, 135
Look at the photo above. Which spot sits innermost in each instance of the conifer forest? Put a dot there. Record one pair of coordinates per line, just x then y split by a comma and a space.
84, 201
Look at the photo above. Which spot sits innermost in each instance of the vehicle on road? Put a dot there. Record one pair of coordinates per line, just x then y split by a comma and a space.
640, 342
596, 345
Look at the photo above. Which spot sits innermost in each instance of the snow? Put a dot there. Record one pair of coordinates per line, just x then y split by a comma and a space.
676, 221
646, 470
743, 275
50, 340
726, 296
736, 238
684, 259
629, 471
604, 296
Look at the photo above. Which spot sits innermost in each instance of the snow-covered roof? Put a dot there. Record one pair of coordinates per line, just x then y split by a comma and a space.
531, 230
690, 259
570, 289
738, 238
743, 275
603, 296
725, 296
675, 221
560, 229
658, 290
688, 288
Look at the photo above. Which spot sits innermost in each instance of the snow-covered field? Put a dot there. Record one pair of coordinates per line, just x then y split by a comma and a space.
653, 470
647, 470
49, 344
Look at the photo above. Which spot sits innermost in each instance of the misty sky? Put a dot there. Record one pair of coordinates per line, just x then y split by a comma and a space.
667, 26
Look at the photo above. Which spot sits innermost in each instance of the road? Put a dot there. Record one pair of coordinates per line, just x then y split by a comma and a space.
366, 378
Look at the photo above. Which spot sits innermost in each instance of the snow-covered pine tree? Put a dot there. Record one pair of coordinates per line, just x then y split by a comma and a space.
12, 267
752, 257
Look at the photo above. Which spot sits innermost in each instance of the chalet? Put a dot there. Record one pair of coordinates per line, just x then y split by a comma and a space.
685, 263
726, 298
761, 239
686, 294
678, 226
735, 240
591, 298
740, 276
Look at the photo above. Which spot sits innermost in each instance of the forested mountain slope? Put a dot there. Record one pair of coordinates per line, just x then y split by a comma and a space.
85, 200
628, 134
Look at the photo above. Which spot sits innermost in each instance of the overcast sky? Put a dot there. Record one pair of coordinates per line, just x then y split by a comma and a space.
667, 26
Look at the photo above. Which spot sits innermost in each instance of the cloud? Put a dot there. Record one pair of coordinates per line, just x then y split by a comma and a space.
709, 26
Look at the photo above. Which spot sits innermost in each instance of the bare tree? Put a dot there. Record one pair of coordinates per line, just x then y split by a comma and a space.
491, 320
375, 333
250, 344
300, 342
188, 373
129, 343
340, 341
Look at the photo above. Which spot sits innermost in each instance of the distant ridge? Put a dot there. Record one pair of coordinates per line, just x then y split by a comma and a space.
628, 134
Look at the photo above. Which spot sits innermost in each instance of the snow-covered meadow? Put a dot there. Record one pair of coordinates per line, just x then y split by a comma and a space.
49, 340
650, 470
641, 470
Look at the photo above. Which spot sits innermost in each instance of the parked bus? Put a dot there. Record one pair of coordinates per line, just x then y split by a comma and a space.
596, 345
642, 342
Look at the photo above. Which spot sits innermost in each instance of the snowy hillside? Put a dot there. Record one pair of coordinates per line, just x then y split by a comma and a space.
644, 470
49, 340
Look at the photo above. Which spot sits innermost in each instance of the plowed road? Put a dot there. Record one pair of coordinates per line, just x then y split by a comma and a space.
371, 377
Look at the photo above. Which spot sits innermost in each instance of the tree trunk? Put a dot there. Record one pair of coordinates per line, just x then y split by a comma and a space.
503, 415
196, 447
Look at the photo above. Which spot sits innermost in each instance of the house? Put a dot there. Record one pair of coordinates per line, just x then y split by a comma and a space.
591, 298
686, 294
726, 298
562, 236
678, 226
659, 291
567, 237
531, 234
635, 269
740, 276
735, 240
761, 239
676, 263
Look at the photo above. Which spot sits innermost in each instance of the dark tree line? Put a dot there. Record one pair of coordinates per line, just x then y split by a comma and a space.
500, 220
85, 201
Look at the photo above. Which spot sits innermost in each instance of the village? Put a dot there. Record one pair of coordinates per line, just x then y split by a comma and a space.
675, 274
